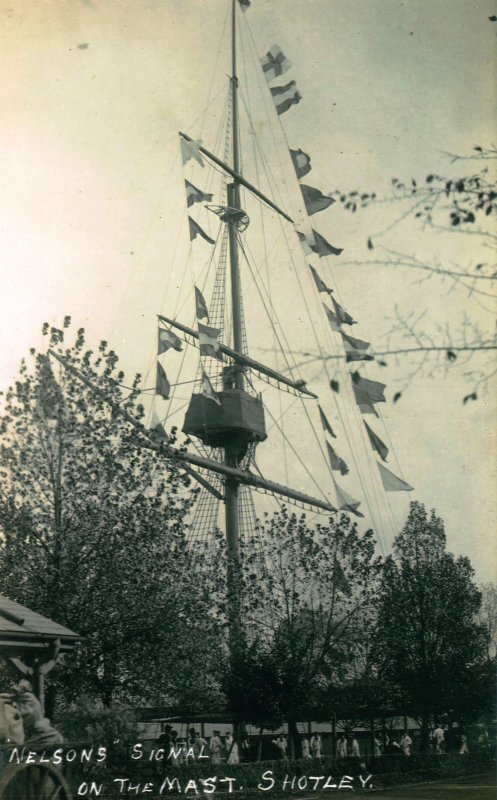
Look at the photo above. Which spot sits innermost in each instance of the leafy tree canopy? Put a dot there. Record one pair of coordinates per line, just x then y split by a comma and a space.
92, 525
427, 641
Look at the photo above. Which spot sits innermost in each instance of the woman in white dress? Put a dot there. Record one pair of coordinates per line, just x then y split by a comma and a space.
405, 744
316, 745
342, 746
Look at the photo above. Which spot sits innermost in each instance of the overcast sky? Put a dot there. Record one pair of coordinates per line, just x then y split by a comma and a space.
93, 96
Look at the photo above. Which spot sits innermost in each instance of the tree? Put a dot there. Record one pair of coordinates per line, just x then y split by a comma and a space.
357, 693
427, 642
92, 526
487, 616
305, 586
459, 207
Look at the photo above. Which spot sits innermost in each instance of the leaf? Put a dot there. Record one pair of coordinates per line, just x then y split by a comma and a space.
451, 356
478, 148
335, 385
493, 18
472, 396
382, 363
370, 244
397, 396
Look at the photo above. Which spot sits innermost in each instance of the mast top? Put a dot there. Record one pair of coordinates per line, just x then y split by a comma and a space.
234, 91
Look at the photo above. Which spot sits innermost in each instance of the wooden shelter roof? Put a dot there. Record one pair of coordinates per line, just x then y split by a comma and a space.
24, 629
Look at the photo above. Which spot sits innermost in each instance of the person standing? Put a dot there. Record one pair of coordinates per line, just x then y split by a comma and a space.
199, 747
164, 741
282, 744
377, 745
342, 746
356, 752
182, 752
306, 752
216, 748
484, 741
233, 756
175, 749
405, 744
439, 738
316, 746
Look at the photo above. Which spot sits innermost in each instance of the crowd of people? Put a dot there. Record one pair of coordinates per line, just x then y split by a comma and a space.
311, 747
222, 748
455, 739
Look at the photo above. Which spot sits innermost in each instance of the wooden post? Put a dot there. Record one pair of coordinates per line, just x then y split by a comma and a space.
39, 686
333, 735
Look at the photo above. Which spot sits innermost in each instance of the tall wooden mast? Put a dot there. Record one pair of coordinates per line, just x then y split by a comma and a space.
232, 448
236, 420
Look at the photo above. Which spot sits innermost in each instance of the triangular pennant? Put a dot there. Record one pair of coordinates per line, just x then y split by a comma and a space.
274, 63
324, 422
391, 483
334, 322
340, 581
196, 230
157, 429
355, 349
168, 339
308, 245
315, 200
191, 149
367, 393
301, 162
352, 342
346, 502
285, 96
376, 442
194, 195
352, 355
342, 315
208, 341
324, 248
200, 305
320, 285
336, 462
162, 385
317, 244
208, 389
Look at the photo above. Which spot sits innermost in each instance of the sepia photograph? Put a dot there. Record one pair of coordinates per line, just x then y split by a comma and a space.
248, 399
